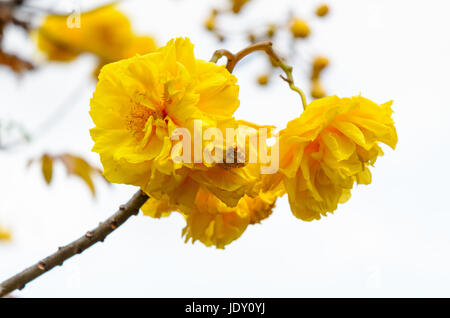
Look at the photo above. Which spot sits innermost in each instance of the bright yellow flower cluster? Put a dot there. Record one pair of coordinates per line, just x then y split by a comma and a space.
105, 32
212, 222
329, 148
139, 103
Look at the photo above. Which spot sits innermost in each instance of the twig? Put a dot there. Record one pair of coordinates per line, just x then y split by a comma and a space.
266, 46
14, 62
76, 247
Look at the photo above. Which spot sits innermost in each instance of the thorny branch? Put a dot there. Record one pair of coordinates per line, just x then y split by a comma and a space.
266, 46
76, 247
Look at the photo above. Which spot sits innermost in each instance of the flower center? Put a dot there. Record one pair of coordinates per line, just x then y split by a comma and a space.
137, 119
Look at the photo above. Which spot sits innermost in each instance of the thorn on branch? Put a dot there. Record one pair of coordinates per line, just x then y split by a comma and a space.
42, 266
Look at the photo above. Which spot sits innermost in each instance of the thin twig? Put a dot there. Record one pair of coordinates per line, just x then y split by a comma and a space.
221, 53
76, 247
266, 46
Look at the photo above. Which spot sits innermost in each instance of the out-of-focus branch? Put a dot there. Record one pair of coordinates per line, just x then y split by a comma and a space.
76, 247
266, 47
17, 64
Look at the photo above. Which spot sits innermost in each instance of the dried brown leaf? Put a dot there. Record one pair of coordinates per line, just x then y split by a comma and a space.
79, 167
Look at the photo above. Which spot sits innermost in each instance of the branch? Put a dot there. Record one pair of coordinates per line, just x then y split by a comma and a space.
76, 247
266, 46
14, 62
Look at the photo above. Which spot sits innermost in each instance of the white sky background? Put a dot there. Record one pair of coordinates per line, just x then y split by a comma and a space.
391, 239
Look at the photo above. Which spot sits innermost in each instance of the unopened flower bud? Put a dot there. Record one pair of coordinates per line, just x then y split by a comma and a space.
263, 79
322, 10
299, 28
210, 22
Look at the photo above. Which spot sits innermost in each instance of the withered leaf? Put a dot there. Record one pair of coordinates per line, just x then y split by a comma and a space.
47, 168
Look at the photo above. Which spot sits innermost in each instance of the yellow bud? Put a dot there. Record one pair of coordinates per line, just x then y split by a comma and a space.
299, 28
319, 63
263, 79
210, 22
317, 90
322, 10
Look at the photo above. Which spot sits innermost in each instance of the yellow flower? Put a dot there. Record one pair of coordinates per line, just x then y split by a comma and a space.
214, 223
329, 148
157, 208
4, 234
54, 50
299, 28
322, 10
137, 105
139, 45
105, 32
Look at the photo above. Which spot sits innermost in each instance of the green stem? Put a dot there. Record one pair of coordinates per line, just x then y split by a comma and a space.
233, 59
